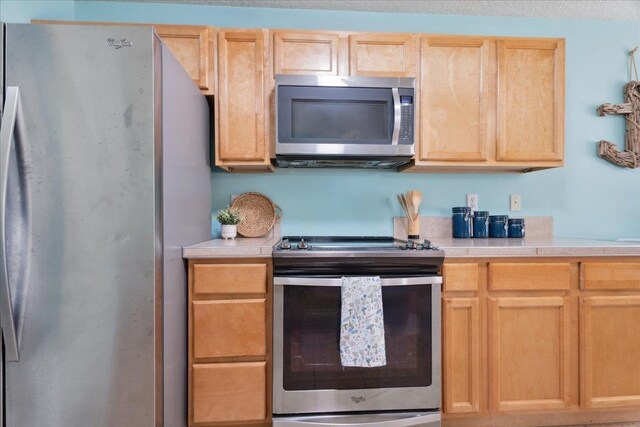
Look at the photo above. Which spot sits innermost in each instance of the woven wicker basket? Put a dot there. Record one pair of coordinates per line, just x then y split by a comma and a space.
259, 214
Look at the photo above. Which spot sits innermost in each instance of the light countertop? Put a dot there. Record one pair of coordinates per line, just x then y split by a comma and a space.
238, 247
453, 248
534, 246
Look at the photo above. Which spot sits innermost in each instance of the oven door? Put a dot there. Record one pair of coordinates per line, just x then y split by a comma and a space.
308, 376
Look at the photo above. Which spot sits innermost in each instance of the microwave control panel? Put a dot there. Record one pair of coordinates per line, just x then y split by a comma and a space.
406, 116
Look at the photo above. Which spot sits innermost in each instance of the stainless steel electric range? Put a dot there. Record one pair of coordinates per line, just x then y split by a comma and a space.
310, 386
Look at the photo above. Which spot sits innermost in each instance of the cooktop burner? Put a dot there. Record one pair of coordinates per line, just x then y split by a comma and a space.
355, 255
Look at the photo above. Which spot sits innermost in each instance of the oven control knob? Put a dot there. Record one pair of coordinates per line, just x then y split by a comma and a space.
427, 244
411, 244
285, 244
302, 245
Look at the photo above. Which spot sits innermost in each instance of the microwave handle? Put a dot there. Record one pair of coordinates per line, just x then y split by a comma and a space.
395, 137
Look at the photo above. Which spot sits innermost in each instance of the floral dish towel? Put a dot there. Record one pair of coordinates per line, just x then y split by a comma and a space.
362, 323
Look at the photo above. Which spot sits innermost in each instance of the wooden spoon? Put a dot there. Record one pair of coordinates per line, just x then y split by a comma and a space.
416, 199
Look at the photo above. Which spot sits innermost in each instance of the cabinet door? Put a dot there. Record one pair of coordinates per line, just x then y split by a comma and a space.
461, 355
383, 55
455, 98
610, 351
240, 100
192, 46
530, 100
529, 353
305, 53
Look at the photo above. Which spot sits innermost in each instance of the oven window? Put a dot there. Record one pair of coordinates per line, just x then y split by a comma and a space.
311, 353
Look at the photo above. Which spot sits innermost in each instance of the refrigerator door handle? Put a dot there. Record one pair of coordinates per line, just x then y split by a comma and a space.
7, 129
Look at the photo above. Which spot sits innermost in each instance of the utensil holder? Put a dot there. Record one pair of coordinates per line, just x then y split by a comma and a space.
413, 228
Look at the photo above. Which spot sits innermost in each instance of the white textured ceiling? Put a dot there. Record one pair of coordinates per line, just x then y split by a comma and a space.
622, 10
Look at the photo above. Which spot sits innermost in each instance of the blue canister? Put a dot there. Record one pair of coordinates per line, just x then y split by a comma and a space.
481, 224
498, 226
461, 222
516, 227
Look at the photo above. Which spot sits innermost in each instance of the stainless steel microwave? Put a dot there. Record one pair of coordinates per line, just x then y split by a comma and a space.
331, 121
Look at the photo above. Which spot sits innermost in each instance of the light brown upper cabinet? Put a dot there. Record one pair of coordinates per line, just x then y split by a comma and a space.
240, 143
305, 53
455, 98
383, 54
490, 103
486, 103
193, 47
530, 100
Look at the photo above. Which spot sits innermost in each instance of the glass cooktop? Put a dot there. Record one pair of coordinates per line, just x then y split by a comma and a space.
349, 243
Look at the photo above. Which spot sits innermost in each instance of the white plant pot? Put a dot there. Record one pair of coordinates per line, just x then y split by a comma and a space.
229, 231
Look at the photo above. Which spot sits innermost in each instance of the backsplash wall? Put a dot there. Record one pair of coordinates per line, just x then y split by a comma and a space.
587, 198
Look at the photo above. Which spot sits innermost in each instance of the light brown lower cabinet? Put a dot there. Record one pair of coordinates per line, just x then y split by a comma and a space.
229, 342
610, 351
226, 328
530, 354
540, 341
228, 392
462, 355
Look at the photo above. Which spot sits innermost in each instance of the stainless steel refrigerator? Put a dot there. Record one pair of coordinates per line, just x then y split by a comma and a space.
104, 176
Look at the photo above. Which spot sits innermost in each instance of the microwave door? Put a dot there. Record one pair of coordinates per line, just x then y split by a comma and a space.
332, 117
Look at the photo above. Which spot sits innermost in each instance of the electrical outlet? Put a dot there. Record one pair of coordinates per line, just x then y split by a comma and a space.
516, 203
472, 201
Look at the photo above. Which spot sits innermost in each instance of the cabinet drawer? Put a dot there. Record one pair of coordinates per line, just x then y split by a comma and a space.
610, 275
230, 278
460, 277
229, 328
231, 392
529, 276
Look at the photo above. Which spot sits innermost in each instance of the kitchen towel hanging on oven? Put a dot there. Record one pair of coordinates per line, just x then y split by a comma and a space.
362, 323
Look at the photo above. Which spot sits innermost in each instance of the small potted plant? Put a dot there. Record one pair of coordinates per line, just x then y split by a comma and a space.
229, 220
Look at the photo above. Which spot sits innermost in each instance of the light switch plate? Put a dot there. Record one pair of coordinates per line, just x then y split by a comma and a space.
472, 201
516, 203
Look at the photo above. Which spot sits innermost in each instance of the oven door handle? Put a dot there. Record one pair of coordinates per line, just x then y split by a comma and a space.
315, 281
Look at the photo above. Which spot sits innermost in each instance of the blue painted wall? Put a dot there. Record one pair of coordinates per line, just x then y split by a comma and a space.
23, 11
588, 197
